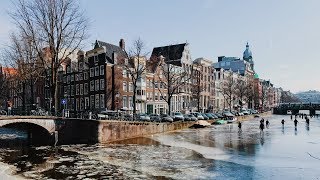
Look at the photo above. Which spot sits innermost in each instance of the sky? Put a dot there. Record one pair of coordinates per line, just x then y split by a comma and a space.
284, 35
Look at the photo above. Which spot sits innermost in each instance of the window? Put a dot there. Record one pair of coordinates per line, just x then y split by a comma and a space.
91, 72
77, 89
68, 69
85, 75
72, 77
156, 97
124, 86
81, 89
77, 104
130, 87
97, 85
86, 88
92, 101
81, 104
130, 101
72, 90
102, 70
92, 85
96, 59
80, 66
97, 102
65, 90
138, 92
96, 71
77, 77
124, 73
68, 79
86, 104
72, 104
102, 101
102, 84
156, 84
124, 101
80, 76
68, 91
64, 80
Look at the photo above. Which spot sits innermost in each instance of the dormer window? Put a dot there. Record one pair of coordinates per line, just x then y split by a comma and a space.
96, 59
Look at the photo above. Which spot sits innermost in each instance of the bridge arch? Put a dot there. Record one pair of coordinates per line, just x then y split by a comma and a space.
36, 131
47, 124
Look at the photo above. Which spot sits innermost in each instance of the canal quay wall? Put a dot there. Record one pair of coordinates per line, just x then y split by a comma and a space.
106, 131
81, 131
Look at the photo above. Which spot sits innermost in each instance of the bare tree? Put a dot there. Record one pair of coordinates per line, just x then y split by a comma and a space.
135, 66
4, 88
264, 96
172, 79
250, 93
196, 86
227, 88
241, 90
22, 57
57, 25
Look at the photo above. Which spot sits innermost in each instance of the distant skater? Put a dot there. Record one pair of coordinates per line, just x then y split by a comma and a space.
295, 123
291, 116
261, 127
308, 121
282, 122
267, 123
239, 126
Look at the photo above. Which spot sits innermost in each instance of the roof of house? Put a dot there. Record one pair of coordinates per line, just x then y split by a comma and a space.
110, 49
9, 71
172, 53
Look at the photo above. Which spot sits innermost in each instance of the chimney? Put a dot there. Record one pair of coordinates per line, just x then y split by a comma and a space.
122, 44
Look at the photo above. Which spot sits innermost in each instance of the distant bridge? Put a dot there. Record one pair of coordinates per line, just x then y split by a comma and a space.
295, 107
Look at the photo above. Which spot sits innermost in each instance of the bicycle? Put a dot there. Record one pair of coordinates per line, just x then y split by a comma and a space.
3, 112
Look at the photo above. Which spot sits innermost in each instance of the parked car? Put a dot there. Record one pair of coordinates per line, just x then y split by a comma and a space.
214, 116
240, 114
209, 115
166, 118
178, 116
245, 112
103, 115
220, 122
227, 114
197, 115
219, 115
205, 117
231, 119
155, 117
186, 117
143, 117
193, 118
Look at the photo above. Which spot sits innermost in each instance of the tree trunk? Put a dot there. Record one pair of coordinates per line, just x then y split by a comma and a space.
23, 98
32, 92
134, 99
169, 105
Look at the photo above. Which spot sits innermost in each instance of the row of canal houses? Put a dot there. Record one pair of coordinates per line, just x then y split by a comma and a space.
97, 80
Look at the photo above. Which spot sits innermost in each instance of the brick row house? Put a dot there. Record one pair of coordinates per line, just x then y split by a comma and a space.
96, 80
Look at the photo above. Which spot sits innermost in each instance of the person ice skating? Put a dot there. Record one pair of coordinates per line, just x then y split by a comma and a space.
282, 122
239, 125
291, 116
295, 123
261, 126
267, 123
307, 121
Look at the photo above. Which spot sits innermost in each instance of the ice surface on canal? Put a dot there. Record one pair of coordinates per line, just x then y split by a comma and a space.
220, 152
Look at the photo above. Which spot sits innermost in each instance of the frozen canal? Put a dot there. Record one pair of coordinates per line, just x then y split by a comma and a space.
219, 152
